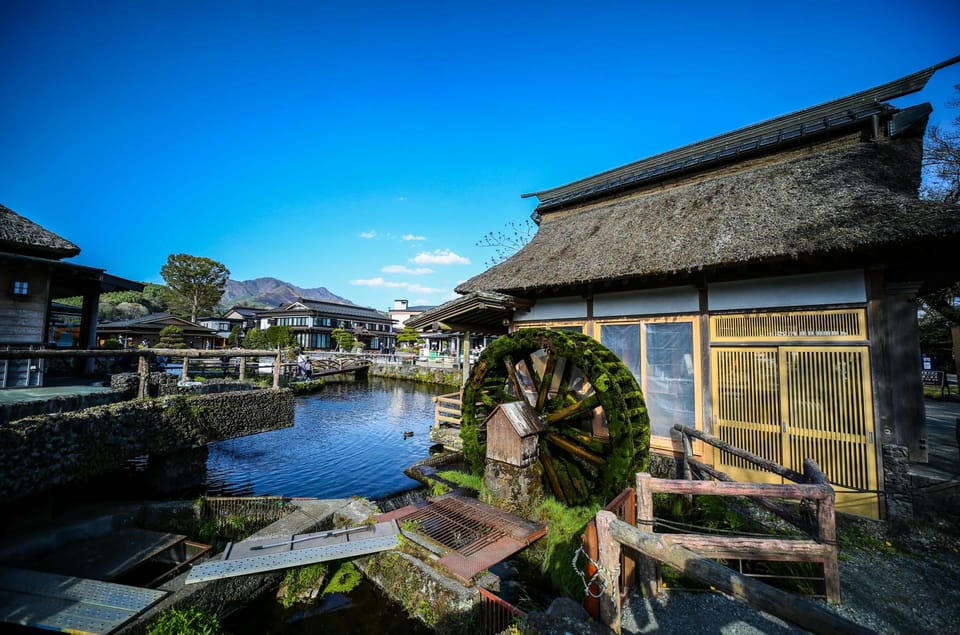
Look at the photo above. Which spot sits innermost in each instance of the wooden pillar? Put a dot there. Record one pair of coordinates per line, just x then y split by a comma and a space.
465, 354
276, 371
609, 549
243, 368
184, 373
88, 326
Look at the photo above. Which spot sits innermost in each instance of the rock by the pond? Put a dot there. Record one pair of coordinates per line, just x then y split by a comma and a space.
562, 617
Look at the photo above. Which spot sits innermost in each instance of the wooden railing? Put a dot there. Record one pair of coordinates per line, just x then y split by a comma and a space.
146, 356
447, 409
692, 553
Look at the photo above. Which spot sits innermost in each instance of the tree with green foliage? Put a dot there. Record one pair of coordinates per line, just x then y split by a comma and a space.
171, 337
194, 284
236, 335
407, 337
344, 339
270, 338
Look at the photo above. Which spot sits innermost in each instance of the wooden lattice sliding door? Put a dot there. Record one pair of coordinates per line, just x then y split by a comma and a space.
789, 402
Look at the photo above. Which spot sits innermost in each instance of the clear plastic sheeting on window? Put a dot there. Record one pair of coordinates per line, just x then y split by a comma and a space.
668, 383
624, 340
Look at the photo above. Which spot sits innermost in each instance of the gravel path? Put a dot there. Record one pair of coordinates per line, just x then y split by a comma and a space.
914, 588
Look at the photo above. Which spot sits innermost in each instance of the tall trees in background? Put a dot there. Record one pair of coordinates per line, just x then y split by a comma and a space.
194, 284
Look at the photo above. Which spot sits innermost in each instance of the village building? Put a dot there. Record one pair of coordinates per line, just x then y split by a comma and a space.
144, 332
313, 321
761, 286
33, 273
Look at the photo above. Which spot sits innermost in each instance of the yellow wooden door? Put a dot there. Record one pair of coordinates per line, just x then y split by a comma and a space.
787, 403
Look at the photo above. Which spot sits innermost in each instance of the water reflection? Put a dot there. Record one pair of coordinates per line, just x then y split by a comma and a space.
346, 440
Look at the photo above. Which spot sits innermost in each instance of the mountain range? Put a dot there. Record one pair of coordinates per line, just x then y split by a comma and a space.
269, 293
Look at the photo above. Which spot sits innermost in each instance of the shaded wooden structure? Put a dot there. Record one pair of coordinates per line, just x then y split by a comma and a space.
513, 433
34, 272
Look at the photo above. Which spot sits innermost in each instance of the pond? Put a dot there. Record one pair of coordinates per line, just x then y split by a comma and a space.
347, 440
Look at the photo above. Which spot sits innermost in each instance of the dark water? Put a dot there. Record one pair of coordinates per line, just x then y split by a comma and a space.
347, 440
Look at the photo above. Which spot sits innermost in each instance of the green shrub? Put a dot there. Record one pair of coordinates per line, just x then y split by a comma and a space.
192, 621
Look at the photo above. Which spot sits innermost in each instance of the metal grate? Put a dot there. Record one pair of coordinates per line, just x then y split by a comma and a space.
476, 535
452, 524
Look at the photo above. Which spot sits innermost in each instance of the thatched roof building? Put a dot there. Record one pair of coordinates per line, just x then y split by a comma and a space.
23, 236
806, 185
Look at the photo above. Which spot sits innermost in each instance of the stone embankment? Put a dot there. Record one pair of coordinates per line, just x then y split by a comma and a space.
45, 451
423, 374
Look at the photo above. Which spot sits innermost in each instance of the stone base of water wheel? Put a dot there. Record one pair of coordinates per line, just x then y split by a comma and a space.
514, 489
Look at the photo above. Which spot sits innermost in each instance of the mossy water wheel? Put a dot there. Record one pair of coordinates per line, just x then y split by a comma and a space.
597, 430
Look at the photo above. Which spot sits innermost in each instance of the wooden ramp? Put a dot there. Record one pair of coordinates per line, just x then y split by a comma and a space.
269, 554
67, 604
470, 536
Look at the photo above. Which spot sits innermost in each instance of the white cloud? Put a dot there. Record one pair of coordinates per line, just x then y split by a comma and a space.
412, 237
440, 257
369, 234
419, 271
387, 284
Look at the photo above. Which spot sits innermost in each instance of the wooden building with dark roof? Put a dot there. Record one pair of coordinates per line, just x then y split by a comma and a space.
145, 331
761, 285
313, 321
33, 272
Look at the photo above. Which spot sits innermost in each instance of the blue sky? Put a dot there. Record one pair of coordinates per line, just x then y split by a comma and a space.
367, 146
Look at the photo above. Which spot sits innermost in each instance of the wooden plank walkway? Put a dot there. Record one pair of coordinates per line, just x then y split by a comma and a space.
68, 604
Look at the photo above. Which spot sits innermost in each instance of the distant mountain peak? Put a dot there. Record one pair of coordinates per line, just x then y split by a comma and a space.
271, 293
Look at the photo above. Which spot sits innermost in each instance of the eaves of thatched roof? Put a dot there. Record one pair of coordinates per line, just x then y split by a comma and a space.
23, 236
840, 196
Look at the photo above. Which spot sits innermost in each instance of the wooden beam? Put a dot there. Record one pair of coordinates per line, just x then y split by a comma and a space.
809, 615
766, 464
609, 551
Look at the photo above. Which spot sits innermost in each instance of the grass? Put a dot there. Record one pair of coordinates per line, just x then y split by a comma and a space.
469, 481
554, 553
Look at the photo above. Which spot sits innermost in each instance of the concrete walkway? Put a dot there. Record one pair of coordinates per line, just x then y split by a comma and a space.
944, 455
22, 395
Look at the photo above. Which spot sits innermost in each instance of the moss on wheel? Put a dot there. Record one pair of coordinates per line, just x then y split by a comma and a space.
616, 392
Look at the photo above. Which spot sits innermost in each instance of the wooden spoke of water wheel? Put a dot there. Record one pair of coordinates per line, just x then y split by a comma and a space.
597, 432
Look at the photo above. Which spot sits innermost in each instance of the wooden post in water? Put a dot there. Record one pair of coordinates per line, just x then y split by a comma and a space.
243, 368
184, 374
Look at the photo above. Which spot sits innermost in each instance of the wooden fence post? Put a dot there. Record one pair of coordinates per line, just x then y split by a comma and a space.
276, 371
143, 369
243, 368
184, 376
609, 549
648, 569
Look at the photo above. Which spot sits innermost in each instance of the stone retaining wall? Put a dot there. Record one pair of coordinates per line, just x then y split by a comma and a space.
422, 374
45, 451
65, 403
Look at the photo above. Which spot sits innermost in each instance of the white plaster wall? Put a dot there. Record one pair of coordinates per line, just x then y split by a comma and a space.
571, 308
837, 287
647, 302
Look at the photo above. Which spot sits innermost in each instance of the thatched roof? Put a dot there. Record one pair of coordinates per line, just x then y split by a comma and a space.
22, 236
837, 197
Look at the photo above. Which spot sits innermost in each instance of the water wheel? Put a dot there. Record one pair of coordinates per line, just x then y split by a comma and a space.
597, 430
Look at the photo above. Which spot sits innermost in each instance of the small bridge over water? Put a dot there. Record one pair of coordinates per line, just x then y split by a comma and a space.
341, 363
